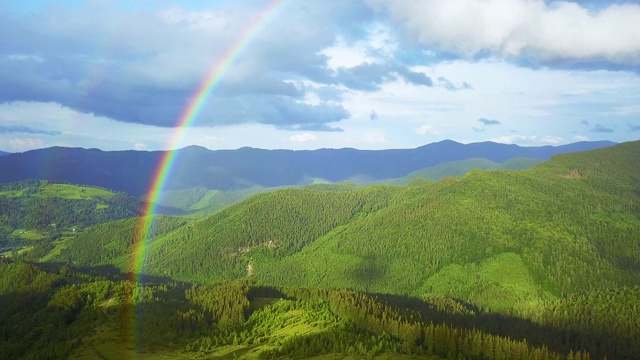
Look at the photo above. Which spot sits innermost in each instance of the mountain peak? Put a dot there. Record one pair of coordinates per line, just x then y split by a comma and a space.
194, 148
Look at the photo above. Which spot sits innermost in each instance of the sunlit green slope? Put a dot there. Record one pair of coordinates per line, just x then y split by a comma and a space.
39, 204
199, 202
503, 240
35, 212
499, 239
112, 245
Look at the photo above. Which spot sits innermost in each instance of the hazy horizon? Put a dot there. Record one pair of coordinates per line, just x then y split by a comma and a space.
315, 149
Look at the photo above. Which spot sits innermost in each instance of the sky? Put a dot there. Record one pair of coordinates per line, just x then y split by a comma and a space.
308, 74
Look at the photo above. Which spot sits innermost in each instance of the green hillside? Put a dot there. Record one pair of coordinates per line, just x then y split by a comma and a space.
36, 211
110, 244
569, 225
40, 204
506, 240
518, 164
188, 248
56, 313
542, 263
458, 168
200, 202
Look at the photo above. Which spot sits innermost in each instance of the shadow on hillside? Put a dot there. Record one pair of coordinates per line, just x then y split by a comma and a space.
109, 272
455, 313
599, 343
34, 326
368, 271
169, 210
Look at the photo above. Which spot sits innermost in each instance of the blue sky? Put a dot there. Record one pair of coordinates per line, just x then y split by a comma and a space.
367, 74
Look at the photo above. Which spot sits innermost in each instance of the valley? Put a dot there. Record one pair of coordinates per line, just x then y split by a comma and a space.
325, 180
470, 258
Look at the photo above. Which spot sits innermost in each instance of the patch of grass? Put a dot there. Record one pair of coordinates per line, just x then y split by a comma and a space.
75, 192
59, 245
25, 250
12, 193
231, 352
211, 198
379, 357
499, 283
296, 325
28, 234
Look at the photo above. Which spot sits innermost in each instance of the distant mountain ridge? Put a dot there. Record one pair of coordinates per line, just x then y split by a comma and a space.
498, 239
2, 153
459, 168
131, 171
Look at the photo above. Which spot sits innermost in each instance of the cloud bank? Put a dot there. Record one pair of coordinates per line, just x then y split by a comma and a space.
7, 129
367, 73
544, 32
144, 66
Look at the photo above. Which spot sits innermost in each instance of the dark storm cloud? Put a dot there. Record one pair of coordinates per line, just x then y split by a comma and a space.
144, 67
286, 114
634, 127
485, 122
489, 121
370, 76
601, 129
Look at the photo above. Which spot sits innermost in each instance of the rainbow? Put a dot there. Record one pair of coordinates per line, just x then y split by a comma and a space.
188, 117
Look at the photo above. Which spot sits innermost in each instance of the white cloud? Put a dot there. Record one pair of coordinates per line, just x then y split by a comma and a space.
23, 57
26, 144
626, 110
580, 138
548, 139
206, 20
304, 137
560, 30
140, 146
343, 55
147, 70
509, 139
425, 130
378, 45
527, 140
212, 138
375, 137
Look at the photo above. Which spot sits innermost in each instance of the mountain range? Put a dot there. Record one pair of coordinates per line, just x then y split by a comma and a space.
227, 170
570, 224
542, 263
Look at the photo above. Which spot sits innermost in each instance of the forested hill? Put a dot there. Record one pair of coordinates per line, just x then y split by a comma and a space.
44, 206
458, 168
58, 313
131, 171
504, 240
33, 213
